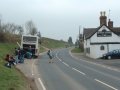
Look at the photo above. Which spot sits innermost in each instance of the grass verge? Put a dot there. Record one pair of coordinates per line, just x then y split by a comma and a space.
76, 50
10, 79
42, 49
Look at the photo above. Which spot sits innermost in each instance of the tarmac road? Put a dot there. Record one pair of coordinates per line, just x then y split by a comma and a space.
68, 73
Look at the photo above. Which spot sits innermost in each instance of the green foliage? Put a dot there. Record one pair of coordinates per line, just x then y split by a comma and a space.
77, 43
76, 50
42, 49
70, 41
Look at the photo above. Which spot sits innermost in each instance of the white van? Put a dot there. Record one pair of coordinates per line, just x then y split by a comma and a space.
30, 40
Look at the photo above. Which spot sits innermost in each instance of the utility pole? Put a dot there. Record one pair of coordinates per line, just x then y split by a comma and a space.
79, 36
79, 32
0, 20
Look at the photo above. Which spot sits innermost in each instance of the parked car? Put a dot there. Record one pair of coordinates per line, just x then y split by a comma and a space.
115, 54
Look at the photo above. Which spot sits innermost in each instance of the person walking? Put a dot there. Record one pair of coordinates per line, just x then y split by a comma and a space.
49, 53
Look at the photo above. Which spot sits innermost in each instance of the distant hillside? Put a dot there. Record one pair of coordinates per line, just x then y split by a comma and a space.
52, 43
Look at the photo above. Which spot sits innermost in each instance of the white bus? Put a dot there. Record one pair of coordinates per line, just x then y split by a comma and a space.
30, 40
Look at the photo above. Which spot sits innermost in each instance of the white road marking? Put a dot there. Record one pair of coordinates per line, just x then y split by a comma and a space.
65, 64
58, 57
78, 71
60, 60
32, 67
105, 84
69, 66
41, 84
32, 71
107, 67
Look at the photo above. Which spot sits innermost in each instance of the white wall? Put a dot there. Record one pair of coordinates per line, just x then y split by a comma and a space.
96, 52
114, 47
86, 45
114, 37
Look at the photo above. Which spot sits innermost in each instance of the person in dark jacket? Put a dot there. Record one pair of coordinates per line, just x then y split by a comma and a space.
29, 52
10, 60
21, 55
16, 55
49, 53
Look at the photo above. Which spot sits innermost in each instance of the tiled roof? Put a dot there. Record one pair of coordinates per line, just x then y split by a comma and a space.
116, 30
88, 32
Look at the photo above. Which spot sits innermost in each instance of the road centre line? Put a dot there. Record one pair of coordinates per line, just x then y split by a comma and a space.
58, 57
60, 60
105, 84
41, 84
69, 66
78, 71
65, 64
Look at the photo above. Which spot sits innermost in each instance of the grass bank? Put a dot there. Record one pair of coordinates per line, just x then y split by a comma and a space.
76, 50
51, 44
10, 79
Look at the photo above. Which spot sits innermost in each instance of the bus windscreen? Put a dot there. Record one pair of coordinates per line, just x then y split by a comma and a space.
29, 39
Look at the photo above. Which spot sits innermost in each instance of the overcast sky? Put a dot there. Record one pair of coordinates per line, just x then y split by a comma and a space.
59, 19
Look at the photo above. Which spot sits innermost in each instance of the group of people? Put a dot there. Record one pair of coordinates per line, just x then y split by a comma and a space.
20, 54
18, 57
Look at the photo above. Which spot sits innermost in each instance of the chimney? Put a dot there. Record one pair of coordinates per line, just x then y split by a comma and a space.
110, 24
103, 19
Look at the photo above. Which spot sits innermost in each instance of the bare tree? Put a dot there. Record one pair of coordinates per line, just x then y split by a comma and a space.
9, 28
40, 37
0, 28
1, 23
30, 27
20, 30
9, 31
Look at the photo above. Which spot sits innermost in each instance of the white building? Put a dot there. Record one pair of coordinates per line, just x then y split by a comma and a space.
100, 40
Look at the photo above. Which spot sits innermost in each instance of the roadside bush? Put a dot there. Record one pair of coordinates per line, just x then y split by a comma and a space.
7, 37
2, 37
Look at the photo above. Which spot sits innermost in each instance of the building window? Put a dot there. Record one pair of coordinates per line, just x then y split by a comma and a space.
102, 48
88, 50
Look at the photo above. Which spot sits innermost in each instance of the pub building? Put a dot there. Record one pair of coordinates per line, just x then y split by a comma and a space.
100, 40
